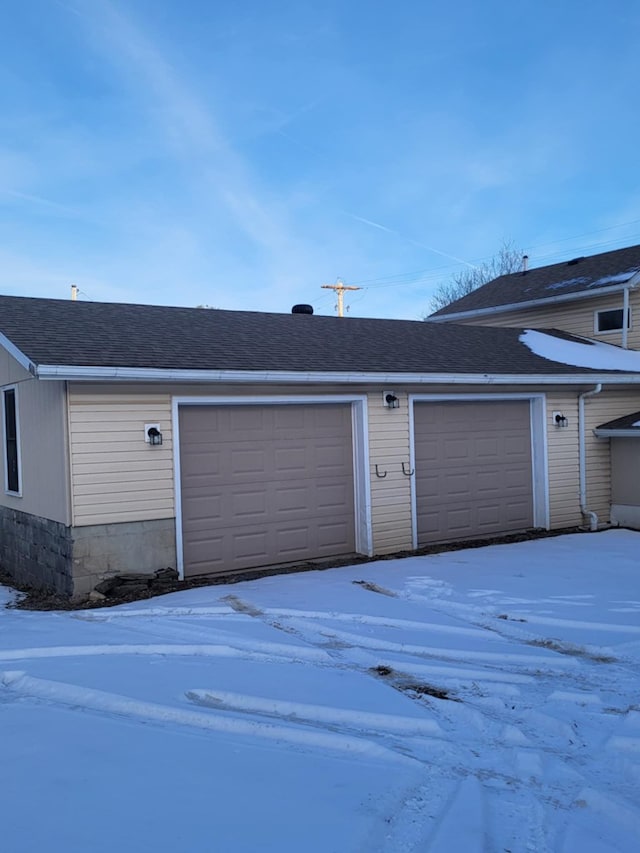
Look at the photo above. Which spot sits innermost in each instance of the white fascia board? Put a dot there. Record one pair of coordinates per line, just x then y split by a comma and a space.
16, 353
142, 374
617, 433
537, 303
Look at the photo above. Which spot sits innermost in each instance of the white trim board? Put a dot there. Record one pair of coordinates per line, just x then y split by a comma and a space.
302, 377
16, 353
16, 403
360, 446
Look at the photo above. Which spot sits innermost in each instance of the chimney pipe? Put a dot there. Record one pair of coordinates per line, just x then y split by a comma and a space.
74, 292
525, 264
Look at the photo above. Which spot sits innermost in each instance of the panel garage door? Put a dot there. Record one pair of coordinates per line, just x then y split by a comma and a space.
264, 485
473, 469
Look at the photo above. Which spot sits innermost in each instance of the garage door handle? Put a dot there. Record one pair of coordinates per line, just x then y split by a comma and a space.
407, 473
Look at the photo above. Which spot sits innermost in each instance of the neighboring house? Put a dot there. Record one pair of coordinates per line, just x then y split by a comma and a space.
584, 296
139, 437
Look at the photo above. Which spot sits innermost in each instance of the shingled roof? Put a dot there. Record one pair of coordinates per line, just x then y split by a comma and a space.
626, 426
47, 333
568, 280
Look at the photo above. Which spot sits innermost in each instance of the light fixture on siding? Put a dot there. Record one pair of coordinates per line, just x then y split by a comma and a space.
152, 434
390, 400
560, 420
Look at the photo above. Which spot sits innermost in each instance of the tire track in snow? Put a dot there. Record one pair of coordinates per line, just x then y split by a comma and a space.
71, 695
539, 736
313, 714
251, 650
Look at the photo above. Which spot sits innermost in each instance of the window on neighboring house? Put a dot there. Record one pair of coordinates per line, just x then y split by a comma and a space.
12, 450
611, 321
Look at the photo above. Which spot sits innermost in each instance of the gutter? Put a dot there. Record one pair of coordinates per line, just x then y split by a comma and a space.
582, 456
148, 374
617, 433
536, 303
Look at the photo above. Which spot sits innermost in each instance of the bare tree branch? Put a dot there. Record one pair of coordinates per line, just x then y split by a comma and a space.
508, 259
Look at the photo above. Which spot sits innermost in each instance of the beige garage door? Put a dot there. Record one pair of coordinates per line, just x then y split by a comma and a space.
264, 485
473, 469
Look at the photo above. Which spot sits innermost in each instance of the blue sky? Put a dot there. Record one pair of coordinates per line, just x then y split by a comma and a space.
240, 153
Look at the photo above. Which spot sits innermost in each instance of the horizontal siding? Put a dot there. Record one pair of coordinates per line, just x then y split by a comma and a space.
563, 454
563, 462
574, 317
391, 495
598, 410
116, 475
42, 422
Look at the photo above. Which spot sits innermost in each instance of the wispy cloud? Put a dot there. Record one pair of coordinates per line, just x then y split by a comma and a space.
189, 125
39, 201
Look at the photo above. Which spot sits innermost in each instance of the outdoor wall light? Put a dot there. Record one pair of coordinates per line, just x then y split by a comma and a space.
390, 400
560, 420
152, 434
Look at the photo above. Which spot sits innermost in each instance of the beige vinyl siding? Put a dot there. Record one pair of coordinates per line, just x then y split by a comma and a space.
563, 454
390, 495
599, 409
42, 423
116, 475
563, 463
574, 317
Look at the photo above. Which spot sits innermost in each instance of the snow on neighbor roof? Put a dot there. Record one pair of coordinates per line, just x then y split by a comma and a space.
567, 280
62, 339
626, 427
581, 352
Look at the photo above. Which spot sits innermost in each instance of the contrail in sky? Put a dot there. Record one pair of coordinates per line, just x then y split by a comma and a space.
408, 239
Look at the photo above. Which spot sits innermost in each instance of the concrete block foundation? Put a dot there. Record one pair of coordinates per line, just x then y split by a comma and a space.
69, 561
36, 552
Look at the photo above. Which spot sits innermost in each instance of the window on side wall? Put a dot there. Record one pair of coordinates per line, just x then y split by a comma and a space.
11, 442
611, 320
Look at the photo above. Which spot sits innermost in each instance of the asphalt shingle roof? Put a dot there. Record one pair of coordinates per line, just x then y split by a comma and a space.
64, 332
573, 276
627, 422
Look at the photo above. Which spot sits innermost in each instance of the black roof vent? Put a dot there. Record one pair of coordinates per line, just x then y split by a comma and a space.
575, 261
302, 309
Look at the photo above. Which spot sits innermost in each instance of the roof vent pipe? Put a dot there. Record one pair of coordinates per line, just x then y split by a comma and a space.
525, 264
302, 309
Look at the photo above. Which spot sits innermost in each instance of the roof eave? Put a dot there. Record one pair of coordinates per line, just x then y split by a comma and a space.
145, 374
617, 433
534, 303
17, 354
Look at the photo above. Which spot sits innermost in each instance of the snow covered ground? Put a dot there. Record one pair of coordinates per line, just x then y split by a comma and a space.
297, 713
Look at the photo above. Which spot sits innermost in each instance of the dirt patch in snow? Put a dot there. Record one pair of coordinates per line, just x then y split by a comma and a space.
414, 688
373, 587
571, 650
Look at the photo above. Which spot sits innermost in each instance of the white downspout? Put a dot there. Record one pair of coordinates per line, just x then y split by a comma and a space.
582, 454
625, 317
